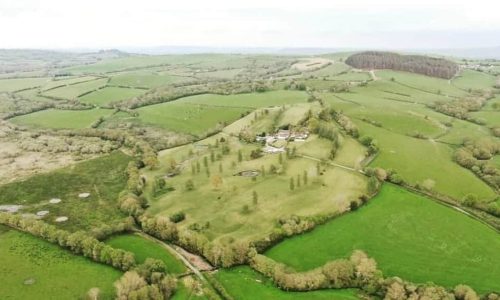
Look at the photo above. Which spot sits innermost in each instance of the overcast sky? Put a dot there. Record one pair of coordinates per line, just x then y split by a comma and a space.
257, 23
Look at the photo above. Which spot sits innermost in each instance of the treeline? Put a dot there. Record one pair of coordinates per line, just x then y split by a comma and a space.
79, 242
430, 66
173, 92
460, 108
224, 255
15, 105
358, 271
476, 156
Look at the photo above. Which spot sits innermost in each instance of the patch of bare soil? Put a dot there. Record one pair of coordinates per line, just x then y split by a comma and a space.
196, 260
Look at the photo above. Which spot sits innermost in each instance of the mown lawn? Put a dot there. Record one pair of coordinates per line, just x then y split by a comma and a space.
104, 178
144, 248
62, 119
57, 273
409, 236
244, 283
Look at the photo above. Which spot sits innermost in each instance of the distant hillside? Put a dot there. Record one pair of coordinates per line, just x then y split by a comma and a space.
430, 66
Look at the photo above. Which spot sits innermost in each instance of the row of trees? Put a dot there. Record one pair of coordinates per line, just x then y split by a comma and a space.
357, 272
460, 108
173, 92
78, 242
430, 66
224, 255
147, 281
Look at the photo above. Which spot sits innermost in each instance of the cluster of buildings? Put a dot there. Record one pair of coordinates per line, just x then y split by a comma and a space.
281, 135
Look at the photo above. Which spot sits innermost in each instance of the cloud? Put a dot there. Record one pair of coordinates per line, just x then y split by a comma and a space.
223, 23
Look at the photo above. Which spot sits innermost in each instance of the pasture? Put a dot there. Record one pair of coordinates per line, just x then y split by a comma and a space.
409, 236
73, 91
62, 119
144, 248
144, 79
252, 100
469, 79
246, 284
16, 84
188, 118
55, 273
110, 94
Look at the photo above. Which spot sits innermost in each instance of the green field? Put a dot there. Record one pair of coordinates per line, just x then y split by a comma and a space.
145, 80
104, 178
253, 100
62, 119
55, 83
56, 272
416, 160
15, 84
401, 115
245, 284
188, 118
469, 79
75, 90
409, 236
200, 114
421, 82
144, 248
110, 94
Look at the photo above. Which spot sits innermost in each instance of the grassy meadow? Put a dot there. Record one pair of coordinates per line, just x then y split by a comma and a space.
57, 273
16, 84
110, 94
62, 119
73, 91
144, 248
246, 284
409, 236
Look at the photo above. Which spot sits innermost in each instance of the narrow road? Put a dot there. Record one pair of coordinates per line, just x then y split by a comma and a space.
331, 163
174, 252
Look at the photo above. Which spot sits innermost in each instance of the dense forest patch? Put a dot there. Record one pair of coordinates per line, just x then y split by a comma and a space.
430, 66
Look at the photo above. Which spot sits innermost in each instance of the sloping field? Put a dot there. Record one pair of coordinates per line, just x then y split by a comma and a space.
110, 94
469, 79
245, 284
254, 100
188, 118
417, 160
75, 90
145, 80
11, 85
55, 118
143, 248
409, 236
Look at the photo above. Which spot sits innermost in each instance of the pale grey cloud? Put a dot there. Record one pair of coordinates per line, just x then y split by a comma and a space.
256, 23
